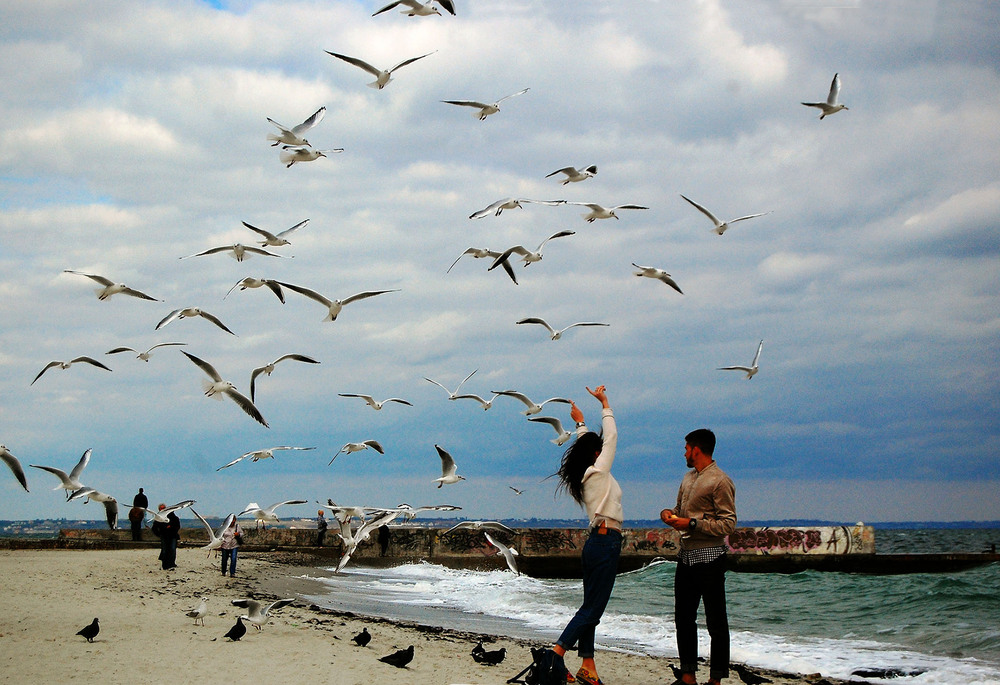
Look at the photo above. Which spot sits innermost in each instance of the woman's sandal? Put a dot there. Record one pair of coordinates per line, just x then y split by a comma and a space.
587, 678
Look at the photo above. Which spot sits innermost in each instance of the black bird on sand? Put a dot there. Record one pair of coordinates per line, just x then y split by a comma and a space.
478, 650
363, 638
237, 631
748, 676
400, 658
491, 658
91, 631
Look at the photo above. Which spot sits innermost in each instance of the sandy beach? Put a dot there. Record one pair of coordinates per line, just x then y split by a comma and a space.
145, 636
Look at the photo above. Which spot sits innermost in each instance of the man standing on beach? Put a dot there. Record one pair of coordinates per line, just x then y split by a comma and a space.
169, 533
705, 514
137, 516
320, 527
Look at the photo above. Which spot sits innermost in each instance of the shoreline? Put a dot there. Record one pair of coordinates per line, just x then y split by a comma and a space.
145, 635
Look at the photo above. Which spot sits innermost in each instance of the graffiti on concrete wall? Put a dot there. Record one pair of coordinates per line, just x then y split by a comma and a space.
824, 540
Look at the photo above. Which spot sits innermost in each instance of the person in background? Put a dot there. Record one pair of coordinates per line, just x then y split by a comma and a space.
585, 472
232, 538
169, 533
705, 514
320, 527
137, 515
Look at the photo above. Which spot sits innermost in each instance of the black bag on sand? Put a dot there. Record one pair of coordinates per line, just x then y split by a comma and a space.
546, 668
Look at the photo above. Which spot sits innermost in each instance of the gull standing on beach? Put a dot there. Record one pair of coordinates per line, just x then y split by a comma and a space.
831, 106
199, 612
293, 136
419, 9
276, 239
217, 387
574, 175
14, 465
532, 407
237, 251
334, 307
267, 369
658, 274
251, 282
599, 212
485, 109
496, 209
258, 614
721, 226
556, 335
257, 455
70, 482
448, 468
111, 288
370, 401
751, 370
144, 356
66, 365
190, 312
382, 76
290, 155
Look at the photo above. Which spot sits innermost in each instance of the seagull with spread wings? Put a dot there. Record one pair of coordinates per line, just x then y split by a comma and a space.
268, 369
600, 212
70, 482
293, 135
382, 76
109, 287
334, 307
484, 109
419, 9
14, 465
237, 251
251, 282
831, 106
452, 395
257, 455
217, 387
190, 312
557, 334
751, 370
291, 154
358, 446
562, 435
449, 469
532, 408
257, 614
720, 225
66, 365
527, 256
276, 239
496, 208
657, 274
144, 356
266, 515
371, 402
574, 175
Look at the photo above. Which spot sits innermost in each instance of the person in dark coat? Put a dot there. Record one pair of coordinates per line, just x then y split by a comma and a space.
169, 533
137, 515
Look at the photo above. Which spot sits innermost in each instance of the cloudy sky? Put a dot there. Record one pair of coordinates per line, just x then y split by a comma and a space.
135, 134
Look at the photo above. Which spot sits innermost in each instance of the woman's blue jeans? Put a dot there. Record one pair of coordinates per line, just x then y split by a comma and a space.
600, 564
229, 559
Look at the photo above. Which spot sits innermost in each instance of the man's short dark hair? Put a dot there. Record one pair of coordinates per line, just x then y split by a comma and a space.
703, 439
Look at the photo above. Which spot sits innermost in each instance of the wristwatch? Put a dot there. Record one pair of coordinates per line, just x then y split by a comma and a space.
693, 524
580, 424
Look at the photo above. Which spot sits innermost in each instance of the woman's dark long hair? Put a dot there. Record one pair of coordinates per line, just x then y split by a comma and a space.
577, 458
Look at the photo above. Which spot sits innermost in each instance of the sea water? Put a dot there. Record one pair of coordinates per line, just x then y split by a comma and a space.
939, 627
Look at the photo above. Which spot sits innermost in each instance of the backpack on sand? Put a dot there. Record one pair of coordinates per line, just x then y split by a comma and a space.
545, 669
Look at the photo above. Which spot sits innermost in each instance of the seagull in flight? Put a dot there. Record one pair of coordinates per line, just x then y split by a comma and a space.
267, 369
276, 239
370, 401
110, 288
214, 536
419, 9
658, 274
66, 365
144, 356
257, 455
382, 76
485, 109
481, 525
527, 256
480, 253
532, 407
251, 282
516, 491
291, 154
507, 552
562, 435
334, 306
14, 465
485, 404
293, 136
451, 395
70, 482
161, 515
574, 175
599, 212
448, 468
257, 614
751, 370
267, 515
721, 226
109, 502
496, 209
358, 446
556, 335
831, 106
237, 251
216, 387
189, 312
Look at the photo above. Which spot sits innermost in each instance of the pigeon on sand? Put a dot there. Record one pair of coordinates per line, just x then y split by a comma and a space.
400, 658
90, 631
